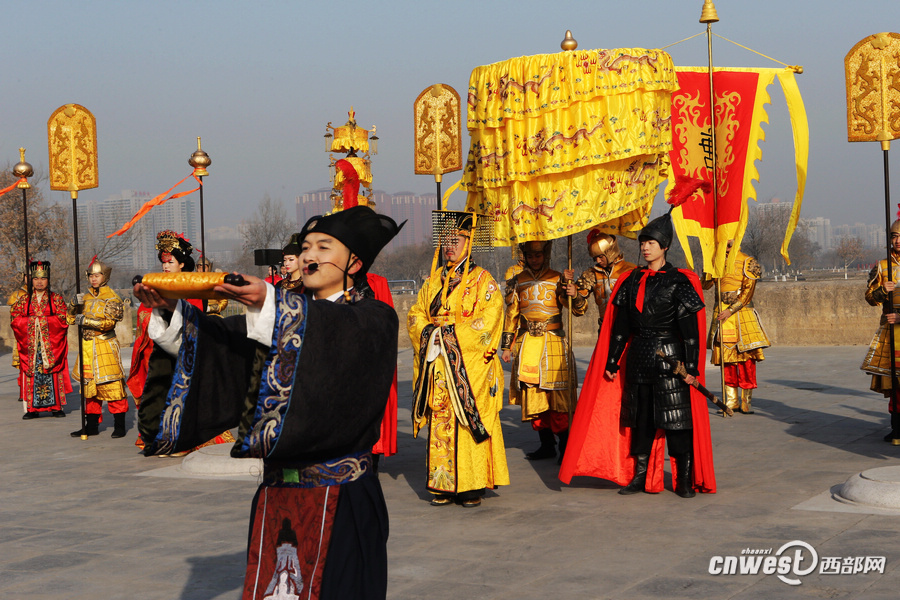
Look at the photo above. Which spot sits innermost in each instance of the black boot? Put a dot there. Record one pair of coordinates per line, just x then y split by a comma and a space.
894, 433
684, 478
548, 446
92, 427
118, 425
640, 475
563, 442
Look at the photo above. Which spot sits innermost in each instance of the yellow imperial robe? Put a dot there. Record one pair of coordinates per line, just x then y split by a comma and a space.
533, 326
743, 336
878, 359
458, 381
600, 283
104, 377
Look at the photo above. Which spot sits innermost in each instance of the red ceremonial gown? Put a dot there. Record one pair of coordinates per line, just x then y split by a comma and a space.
40, 330
599, 446
387, 443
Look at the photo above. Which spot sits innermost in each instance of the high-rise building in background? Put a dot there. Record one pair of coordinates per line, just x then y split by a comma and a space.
872, 236
402, 206
819, 231
99, 218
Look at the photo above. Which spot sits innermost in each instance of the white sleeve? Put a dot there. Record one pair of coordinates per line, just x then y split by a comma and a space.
166, 336
261, 321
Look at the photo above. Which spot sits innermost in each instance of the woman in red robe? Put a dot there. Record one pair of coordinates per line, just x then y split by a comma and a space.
39, 323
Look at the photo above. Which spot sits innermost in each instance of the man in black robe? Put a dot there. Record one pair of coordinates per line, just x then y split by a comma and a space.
306, 381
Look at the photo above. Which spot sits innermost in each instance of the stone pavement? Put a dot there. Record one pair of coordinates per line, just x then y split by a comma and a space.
90, 519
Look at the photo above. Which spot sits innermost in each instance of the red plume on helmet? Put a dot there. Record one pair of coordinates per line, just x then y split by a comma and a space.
685, 187
350, 188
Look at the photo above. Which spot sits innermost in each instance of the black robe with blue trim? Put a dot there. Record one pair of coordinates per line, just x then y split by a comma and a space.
317, 394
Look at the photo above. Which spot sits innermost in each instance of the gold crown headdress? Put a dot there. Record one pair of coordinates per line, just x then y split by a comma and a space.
167, 240
39, 268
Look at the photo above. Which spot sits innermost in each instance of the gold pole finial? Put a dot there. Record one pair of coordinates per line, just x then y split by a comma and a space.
709, 14
200, 160
22, 170
568, 43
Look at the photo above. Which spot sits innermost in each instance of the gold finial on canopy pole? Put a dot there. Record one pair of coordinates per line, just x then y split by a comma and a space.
708, 14
568, 43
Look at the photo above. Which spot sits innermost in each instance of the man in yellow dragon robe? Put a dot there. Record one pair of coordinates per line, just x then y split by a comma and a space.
455, 329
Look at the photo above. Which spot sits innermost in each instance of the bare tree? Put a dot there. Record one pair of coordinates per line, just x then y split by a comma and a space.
268, 227
49, 237
803, 251
766, 226
849, 250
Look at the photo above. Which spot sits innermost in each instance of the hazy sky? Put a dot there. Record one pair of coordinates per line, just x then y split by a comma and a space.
259, 80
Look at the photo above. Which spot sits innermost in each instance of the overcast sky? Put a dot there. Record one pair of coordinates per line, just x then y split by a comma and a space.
259, 81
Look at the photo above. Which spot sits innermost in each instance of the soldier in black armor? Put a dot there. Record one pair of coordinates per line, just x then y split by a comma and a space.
657, 310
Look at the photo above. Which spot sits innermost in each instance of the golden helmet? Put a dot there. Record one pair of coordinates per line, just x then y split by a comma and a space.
603, 244
895, 227
98, 266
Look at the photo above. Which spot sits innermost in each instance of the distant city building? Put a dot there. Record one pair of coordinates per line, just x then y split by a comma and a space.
402, 206
872, 236
819, 231
99, 218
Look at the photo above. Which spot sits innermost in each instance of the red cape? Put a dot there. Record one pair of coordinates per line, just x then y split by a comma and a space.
387, 443
600, 447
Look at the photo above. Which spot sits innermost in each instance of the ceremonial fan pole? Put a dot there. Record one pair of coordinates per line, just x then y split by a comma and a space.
873, 115
709, 16
22, 171
200, 160
438, 135
72, 141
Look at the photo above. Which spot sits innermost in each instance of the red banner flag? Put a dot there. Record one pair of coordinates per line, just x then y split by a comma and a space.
739, 110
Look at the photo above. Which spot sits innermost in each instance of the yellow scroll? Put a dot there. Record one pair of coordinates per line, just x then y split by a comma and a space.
176, 286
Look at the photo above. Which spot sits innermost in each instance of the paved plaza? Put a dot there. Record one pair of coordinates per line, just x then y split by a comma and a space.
96, 520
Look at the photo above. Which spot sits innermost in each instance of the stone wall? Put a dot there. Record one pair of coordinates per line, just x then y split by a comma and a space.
793, 313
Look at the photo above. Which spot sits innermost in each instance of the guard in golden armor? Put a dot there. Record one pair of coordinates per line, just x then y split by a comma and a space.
736, 325
599, 280
540, 370
97, 312
878, 359
214, 307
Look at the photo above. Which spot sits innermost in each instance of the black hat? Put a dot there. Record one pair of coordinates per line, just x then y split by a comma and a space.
293, 245
360, 228
659, 229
